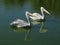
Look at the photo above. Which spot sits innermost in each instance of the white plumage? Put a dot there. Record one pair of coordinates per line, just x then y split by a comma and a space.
33, 16
37, 16
21, 23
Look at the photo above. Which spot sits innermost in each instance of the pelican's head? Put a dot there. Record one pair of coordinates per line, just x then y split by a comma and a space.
28, 13
42, 9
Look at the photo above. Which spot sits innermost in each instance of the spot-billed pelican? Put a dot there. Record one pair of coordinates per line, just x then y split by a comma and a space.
37, 16
21, 23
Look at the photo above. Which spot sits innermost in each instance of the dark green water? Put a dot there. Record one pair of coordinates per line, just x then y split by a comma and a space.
12, 9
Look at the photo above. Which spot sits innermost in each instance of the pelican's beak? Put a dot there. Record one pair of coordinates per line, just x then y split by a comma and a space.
46, 11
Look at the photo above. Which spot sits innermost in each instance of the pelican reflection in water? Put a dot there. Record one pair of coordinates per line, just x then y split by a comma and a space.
26, 30
42, 28
37, 16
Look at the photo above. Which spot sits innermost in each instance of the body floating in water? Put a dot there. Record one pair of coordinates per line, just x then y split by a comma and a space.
21, 23
34, 16
37, 16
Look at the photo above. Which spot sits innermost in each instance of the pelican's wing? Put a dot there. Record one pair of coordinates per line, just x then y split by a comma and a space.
22, 23
35, 16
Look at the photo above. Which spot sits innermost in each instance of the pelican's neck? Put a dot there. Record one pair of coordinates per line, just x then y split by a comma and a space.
42, 13
27, 18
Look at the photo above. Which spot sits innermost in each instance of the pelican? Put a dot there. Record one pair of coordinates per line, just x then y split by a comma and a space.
21, 23
37, 16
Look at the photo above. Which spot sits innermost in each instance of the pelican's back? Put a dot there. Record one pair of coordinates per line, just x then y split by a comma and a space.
20, 23
35, 16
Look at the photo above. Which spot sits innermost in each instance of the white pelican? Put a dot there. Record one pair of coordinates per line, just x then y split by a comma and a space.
21, 23
37, 16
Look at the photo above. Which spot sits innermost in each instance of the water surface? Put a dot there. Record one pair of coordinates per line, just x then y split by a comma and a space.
44, 33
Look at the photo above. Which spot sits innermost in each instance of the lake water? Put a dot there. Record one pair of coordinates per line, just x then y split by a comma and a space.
44, 33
